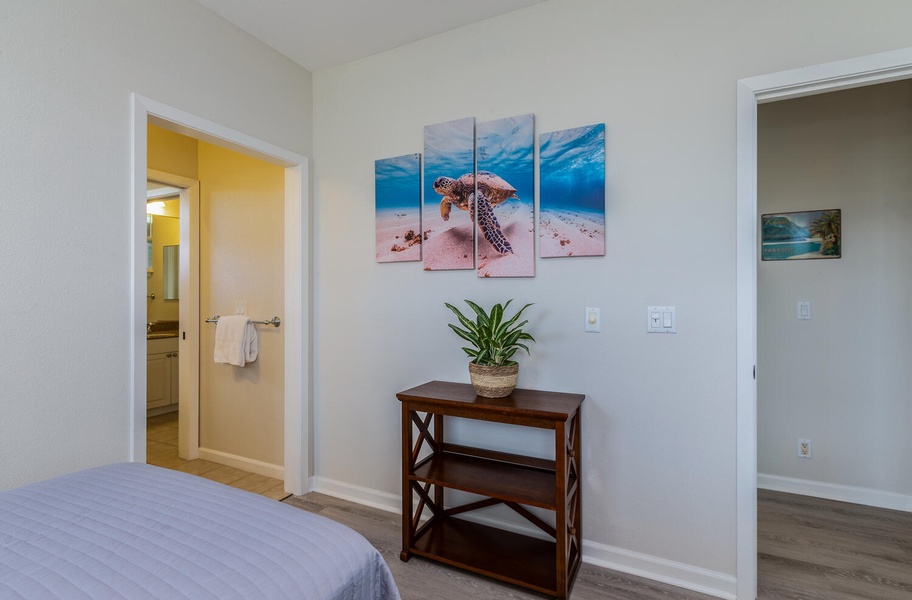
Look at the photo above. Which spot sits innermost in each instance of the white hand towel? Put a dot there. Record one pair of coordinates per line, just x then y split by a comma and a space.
235, 340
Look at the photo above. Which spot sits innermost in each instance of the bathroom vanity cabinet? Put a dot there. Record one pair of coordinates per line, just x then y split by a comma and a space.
162, 376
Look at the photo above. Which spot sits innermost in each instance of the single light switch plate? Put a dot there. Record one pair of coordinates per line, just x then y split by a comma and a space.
804, 310
661, 319
593, 320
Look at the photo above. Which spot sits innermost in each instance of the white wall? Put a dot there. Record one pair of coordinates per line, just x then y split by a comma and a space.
68, 69
842, 378
659, 419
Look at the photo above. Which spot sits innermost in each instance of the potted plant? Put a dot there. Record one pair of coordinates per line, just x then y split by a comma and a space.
494, 341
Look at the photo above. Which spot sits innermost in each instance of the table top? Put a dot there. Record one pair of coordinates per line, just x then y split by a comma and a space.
557, 406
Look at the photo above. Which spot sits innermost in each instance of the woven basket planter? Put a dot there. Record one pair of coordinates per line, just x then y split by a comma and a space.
493, 381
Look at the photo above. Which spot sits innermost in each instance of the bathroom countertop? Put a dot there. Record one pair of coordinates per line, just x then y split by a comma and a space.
162, 329
161, 334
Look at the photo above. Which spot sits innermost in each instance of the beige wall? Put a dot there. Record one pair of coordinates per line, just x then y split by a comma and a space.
841, 379
241, 249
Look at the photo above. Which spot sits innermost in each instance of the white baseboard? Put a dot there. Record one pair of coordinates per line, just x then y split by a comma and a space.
618, 559
831, 491
243, 463
679, 574
358, 494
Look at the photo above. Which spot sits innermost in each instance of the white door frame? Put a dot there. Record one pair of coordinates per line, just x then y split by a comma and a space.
297, 319
829, 77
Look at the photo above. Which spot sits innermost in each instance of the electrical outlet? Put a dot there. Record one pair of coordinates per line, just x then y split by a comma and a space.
805, 449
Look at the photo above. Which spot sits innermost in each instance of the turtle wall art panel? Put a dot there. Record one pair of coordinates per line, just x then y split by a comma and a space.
397, 199
448, 230
571, 192
504, 197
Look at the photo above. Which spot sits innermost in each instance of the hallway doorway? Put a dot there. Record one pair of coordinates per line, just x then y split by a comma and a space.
878, 68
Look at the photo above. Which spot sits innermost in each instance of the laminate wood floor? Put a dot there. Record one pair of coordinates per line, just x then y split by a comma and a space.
420, 579
815, 549
809, 549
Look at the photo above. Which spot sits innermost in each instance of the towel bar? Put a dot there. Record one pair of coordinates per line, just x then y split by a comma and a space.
275, 321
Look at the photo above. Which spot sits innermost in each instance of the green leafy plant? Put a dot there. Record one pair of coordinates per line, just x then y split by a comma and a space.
494, 340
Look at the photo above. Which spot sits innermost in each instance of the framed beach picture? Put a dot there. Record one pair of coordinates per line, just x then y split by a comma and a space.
449, 174
811, 234
397, 199
571, 218
505, 181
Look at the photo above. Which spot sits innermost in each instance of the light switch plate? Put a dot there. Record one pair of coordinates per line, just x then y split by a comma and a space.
661, 319
804, 310
593, 320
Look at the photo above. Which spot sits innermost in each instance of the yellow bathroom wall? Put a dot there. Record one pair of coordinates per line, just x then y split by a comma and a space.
172, 152
176, 154
241, 260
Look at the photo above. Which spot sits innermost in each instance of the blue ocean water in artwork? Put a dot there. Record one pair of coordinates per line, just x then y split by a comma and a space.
505, 147
572, 170
785, 250
397, 182
449, 151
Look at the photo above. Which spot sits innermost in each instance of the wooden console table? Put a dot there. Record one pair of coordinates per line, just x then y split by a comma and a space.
548, 566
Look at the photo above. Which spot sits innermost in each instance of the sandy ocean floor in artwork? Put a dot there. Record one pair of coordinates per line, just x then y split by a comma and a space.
571, 233
517, 222
449, 245
398, 235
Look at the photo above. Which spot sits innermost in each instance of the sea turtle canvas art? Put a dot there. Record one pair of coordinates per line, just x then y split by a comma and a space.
504, 155
484, 171
449, 150
477, 193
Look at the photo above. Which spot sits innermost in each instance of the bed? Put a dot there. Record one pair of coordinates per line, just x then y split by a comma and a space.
137, 531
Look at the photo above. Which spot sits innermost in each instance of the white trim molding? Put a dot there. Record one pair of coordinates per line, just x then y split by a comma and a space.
671, 572
358, 494
243, 463
829, 77
834, 491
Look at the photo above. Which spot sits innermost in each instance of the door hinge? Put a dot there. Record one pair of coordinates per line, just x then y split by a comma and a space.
755, 372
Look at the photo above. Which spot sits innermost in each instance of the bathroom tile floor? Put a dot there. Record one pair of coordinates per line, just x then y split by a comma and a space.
161, 450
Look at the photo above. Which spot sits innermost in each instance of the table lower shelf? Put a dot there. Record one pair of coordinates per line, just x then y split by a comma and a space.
504, 555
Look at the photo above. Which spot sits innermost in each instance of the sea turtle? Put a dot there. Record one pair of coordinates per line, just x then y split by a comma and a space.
492, 190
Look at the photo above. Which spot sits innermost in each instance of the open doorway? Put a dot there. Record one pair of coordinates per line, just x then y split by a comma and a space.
172, 356
835, 376
294, 262
880, 68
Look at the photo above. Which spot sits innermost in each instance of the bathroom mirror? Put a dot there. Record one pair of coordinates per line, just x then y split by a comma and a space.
170, 269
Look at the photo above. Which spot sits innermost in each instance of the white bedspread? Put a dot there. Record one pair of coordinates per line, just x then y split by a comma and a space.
137, 531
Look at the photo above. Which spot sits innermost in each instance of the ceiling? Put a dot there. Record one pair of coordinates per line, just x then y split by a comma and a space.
318, 34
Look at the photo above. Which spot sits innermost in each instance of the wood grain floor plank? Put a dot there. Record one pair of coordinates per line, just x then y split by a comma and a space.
809, 548
817, 549
420, 579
